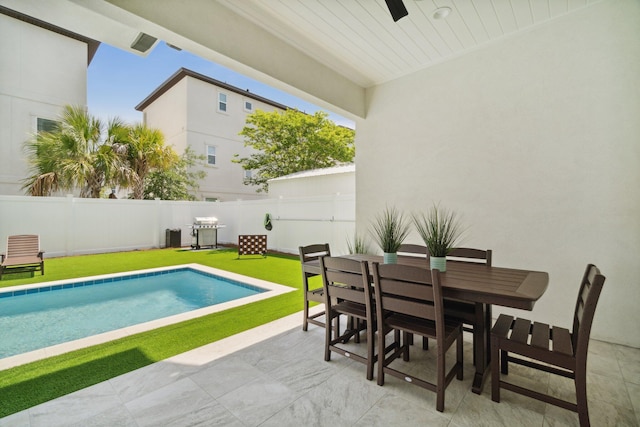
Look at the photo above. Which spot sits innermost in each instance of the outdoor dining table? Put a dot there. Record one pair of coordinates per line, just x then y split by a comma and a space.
480, 284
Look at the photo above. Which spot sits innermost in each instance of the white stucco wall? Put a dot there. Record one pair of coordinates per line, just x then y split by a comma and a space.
535, 141
40, 71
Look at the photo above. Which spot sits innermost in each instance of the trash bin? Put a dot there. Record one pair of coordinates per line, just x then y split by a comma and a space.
174, 238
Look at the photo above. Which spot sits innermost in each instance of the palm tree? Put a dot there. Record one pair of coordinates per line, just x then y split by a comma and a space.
74, 155
145, 152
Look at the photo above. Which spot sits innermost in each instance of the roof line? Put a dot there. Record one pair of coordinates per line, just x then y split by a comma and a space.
92, 45
184, 72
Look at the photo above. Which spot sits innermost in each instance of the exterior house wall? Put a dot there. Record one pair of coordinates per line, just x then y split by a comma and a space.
41, 71
534, 142
172, 121
188, 114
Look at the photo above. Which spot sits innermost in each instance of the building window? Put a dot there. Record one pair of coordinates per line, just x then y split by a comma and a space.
248, 106
46, 125
211, 155
210, 199
222, 101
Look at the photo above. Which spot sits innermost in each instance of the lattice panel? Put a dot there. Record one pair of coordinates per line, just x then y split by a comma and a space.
252, 244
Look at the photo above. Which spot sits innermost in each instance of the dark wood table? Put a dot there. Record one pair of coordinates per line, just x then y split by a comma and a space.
480, 284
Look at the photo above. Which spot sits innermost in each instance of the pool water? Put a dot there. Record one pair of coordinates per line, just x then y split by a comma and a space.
37, 318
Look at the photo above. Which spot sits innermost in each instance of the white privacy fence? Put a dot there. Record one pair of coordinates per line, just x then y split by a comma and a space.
72, 226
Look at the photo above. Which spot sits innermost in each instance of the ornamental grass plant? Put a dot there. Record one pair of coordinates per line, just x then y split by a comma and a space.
390, 229
440, 230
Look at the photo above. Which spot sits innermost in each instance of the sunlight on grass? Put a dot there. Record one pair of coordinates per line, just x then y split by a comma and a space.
28, 385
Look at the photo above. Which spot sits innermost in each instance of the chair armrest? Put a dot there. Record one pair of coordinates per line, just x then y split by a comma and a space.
41, 254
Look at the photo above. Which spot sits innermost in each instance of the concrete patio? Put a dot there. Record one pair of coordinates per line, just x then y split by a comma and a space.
275, 375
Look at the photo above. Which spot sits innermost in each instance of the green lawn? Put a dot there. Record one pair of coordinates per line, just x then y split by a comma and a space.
28, 385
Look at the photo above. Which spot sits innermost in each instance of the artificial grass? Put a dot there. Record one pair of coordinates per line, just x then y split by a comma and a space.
28, 385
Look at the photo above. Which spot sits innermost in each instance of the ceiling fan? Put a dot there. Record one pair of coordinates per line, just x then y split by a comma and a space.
397, 9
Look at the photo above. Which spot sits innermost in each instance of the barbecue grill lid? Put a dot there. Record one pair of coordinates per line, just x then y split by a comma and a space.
205, 220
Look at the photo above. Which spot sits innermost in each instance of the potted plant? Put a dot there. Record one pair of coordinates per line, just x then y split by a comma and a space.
440, 230
390, 228
358, 245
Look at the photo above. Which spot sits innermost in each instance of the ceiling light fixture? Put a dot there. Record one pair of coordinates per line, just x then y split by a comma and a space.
441, 12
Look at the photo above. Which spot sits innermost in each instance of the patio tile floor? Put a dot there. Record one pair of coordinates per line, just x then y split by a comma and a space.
275, 375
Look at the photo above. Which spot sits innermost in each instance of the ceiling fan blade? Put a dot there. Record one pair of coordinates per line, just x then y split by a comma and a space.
397, 9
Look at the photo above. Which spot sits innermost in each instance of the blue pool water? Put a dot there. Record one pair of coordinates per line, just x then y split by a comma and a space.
41, 317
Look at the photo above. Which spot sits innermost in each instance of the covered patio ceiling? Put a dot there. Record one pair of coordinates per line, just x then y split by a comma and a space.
326, 51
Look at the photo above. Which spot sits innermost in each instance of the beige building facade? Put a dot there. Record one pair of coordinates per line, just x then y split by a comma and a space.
193, 110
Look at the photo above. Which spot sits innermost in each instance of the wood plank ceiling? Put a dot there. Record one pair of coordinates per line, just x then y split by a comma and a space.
359, 39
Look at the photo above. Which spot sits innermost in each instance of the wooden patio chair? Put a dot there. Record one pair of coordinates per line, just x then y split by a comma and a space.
310, 263
409, 299
409, 249
560, 352
471, 314
347, 292
23, 254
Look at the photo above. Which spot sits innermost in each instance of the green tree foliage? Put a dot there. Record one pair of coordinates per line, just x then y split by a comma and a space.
178, 182
144, 151
78, 154
75, 155
292, 142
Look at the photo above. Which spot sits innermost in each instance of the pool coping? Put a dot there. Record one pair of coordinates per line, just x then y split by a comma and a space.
272, 290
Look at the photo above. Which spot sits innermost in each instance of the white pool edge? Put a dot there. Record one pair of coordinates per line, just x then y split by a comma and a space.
272, 290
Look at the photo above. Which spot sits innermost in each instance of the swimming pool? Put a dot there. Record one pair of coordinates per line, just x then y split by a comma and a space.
51, 318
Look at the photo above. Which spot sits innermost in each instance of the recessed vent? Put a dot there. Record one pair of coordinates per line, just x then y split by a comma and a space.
143, 42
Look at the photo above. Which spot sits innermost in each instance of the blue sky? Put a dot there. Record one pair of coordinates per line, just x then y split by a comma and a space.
117, 81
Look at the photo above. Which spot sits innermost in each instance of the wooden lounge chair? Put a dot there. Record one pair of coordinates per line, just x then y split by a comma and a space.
561, 352
409, 299
23, 254
347, 292
310, 262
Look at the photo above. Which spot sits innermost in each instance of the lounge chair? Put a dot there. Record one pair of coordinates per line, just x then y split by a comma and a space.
23, 254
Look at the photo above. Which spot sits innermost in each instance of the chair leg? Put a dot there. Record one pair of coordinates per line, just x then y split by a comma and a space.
504, 362
370, 352
581, 398
328, 331
381, 355
459, 357
495, 370
440, 385
425, 343
305, 319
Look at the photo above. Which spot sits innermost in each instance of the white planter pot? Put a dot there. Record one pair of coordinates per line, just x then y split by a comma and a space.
439, 263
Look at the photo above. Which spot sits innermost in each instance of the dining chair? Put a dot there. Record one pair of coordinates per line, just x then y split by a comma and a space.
471, 314
347, 292
310, 263
409, 249
409, 299
551, 349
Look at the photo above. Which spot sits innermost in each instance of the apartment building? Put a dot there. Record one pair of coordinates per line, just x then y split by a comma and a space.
197, 111
43, 67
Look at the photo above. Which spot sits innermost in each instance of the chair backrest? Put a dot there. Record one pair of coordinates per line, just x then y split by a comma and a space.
409, 290
23, 245
588, 296
408, 249
313, 252
345, 280
479, 256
